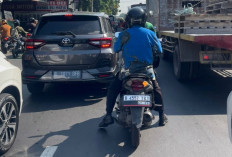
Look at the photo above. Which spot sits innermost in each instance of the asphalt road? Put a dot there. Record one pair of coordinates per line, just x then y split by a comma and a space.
67, 115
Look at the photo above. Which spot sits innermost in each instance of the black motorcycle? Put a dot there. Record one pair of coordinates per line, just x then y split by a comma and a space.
4, 45
13, 44
134, 103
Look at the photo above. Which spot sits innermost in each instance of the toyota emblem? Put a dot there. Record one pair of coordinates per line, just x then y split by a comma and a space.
66, 41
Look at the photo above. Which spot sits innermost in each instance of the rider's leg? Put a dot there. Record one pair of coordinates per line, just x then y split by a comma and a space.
112, 93
159, 100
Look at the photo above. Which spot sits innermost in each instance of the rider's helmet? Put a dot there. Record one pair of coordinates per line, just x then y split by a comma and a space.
32, 20
136, 16
16, 23
4, 21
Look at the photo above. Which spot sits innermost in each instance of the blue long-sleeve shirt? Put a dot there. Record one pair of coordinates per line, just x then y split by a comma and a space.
137, 44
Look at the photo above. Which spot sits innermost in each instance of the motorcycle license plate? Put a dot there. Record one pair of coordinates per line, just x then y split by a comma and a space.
137, 100
66, 74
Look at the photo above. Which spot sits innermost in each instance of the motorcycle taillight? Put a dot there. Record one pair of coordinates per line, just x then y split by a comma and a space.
137, 85
6, 38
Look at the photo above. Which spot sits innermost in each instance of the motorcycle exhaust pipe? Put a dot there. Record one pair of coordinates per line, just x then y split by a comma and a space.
147, 118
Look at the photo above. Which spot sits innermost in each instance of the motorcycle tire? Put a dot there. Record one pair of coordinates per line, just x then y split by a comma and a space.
15, 54
4, 50
135, 136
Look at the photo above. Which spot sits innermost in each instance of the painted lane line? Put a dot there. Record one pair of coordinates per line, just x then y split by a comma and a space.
49, 151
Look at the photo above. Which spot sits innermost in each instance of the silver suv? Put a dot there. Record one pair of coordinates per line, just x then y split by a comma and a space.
69, 47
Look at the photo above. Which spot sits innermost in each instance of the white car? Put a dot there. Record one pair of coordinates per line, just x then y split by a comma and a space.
10, 103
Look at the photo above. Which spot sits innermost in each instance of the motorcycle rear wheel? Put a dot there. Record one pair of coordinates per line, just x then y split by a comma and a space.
15, 54
135, 136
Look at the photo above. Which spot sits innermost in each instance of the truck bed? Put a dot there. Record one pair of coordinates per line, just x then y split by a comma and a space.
223, 41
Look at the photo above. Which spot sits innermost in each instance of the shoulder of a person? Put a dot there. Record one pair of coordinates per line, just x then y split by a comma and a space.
125, 32
147, 30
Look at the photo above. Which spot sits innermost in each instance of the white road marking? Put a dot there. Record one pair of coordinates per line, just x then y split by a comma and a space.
49, 151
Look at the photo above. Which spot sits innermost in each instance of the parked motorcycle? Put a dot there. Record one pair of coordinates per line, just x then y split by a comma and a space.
133, 104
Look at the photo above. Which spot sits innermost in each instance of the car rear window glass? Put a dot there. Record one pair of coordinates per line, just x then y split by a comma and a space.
109, 26
79, 25
105, 25
111, 18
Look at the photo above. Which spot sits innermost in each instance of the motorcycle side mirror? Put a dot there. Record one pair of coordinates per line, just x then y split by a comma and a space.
28, 34
117, 34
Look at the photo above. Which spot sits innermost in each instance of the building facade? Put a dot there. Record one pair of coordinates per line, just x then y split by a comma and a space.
24, 9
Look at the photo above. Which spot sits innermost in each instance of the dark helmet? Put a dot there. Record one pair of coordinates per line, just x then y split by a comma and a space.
32, 20
136, 16
16, 23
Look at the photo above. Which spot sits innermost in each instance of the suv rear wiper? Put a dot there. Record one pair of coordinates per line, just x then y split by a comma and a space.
65, 33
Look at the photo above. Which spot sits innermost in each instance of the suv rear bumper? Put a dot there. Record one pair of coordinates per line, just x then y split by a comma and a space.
102, 75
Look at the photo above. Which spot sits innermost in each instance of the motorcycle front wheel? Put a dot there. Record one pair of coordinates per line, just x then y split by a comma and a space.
135, 136
4, 50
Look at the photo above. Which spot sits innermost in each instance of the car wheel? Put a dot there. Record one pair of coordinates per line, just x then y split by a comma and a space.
9, 121
35, 88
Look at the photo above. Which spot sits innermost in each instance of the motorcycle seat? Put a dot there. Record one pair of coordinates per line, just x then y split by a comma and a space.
138, 75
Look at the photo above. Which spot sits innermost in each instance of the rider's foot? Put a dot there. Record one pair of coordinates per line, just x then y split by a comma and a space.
107, 120
163, 120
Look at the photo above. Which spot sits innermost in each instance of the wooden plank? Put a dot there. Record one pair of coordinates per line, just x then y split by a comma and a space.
204, 17
203, 31
176, 35
220, 11
204, 24
220, 5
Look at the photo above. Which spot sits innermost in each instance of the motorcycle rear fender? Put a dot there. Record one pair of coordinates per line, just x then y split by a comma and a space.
137, 116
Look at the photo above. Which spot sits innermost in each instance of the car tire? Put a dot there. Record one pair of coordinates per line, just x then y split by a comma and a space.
9, 121
35, 88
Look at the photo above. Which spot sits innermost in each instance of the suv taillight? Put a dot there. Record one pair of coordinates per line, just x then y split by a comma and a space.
33, 44
101, 42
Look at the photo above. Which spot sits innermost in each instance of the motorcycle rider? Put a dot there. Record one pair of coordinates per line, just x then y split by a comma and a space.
5, 29
31, 25
19, 29
138, 45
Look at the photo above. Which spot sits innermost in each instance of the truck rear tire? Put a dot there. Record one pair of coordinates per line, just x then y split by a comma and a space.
165, 55
181, 69
184, 70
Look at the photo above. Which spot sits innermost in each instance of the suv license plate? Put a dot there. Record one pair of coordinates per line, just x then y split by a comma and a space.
66, 75
137, 100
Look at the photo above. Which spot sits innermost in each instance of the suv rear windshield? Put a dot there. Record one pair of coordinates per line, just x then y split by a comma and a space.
79, 25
